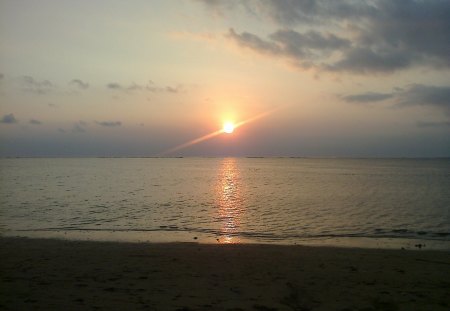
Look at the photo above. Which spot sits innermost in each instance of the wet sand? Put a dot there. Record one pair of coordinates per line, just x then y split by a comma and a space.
70, 275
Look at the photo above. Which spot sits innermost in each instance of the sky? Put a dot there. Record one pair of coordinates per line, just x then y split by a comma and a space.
315, 78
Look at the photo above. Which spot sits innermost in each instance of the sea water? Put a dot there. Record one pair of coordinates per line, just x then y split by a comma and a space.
381, 202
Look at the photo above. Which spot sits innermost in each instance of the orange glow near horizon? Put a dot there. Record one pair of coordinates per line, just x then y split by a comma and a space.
228, 128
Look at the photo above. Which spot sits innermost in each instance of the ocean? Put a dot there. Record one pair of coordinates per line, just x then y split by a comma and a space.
340, 202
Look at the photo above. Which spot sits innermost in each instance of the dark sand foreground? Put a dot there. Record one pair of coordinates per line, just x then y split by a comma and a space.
64, 275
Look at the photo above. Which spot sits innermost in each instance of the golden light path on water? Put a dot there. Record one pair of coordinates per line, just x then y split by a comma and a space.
230, 201
215, 133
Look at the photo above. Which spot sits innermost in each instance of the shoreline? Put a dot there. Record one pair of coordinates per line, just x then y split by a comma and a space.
161, 236
63, 274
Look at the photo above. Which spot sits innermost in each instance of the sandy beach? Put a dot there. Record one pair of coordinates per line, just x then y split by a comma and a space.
38, 274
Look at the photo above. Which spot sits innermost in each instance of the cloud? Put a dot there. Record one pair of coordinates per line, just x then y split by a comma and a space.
35, 122
300, 48
220, 7
368, 97
79, 84
78, 127
173, 90
254, 42
133, 87
9, 119
29, 84
433, 124
366, 60
412, 95
424, 95
150, 87
379, 36
109, 123
114, 86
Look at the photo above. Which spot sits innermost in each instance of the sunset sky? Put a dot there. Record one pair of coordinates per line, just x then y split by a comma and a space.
138, 78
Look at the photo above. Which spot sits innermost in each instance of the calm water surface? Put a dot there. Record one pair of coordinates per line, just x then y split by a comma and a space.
229, 200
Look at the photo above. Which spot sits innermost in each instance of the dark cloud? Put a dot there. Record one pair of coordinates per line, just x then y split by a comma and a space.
109, 123
366, 60
368, 97
79, 84
295, 12
2, 76
29, 84
9, 119
307, 44
254, 42
424, 95
363, 37
419, 28
302, 49
413, 95
35, 122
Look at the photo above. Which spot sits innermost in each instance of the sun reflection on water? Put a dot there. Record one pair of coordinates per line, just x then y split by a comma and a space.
229, 201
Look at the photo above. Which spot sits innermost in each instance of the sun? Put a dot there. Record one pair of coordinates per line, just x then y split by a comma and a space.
228, 127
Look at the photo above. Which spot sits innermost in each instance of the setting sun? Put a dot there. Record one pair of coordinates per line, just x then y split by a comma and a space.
228, 127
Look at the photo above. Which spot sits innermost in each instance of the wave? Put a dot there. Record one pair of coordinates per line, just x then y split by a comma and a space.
264, 236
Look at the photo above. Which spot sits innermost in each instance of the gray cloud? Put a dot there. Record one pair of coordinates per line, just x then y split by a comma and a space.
368, 97
79, 84
9, 119
220, 7
109, 123
35, 122
173, 90
29, 84
300, 48
133, 86
303, 44
254, 42
366, 60
419, 94
114, 86
78, 127
433, 124
150, 87
413, 95
385, 36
